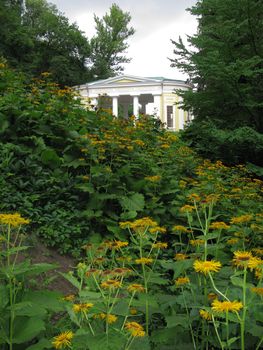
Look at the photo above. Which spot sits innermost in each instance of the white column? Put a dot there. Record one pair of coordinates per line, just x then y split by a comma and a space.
136, 106
174, 117
115, 106
181, 115
157, 105
94, 103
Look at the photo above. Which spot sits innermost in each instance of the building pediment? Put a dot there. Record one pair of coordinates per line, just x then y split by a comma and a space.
122, 80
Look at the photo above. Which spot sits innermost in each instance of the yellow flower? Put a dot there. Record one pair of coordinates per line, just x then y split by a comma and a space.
69, 297
109, 318
121, 271
154, 178
257, 290
180, 256
205, 315
160, 245
165, 145
135, 329
181, 281
179, 228
219, 225
257, 251
117, 245
196, 242
144, 261
254, 263
82, 307
241, 258
45, 74
212, 198
133, 311
139, 143
140, 225
241, 219
13, 220
111, 284
232, 241
63, 340
258, 273
207, 266
211, 296
187, 208
135, 288
157, 229
226, 306
194, 197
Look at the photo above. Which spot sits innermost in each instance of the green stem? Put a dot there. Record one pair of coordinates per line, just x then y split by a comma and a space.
98, 286
217, 334
242, 323
188, 316
125, 319
146, 301
227, 329
198, 216
260, 342
217, 290
127, 345
90, 327
205, 303
11, 321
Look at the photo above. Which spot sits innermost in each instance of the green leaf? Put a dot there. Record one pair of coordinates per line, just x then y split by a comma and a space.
177, 320
47, 299
26, 329
4, 298
236, 281
114, 341
50, 157
73, 280
41, 345
133, 203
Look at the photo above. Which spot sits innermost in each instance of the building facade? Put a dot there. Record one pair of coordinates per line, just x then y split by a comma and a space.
128, 94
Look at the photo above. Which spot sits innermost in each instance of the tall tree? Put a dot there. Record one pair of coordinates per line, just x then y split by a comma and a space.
225, 66
59, 47
109, 44
41, 39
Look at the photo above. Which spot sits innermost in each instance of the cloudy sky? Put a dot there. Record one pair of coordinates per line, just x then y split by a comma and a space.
155, 23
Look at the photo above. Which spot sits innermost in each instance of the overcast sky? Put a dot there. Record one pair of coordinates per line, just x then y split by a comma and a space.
155, 23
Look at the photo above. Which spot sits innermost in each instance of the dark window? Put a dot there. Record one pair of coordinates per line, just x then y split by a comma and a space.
169, 113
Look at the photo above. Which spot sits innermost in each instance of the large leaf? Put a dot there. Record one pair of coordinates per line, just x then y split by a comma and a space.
134, 202
86, 341
45, 299
41, 345
50, 157
26, 329
176, 320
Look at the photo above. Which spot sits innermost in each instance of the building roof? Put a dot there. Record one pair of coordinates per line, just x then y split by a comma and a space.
132, 80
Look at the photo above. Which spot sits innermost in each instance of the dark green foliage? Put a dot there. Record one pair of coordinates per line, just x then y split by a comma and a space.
110, 43
39, 38
76, 173
241, 145
225, 66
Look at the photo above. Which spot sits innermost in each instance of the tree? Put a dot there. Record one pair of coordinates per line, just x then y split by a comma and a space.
110, 43
40, 39
60, 47
225, 66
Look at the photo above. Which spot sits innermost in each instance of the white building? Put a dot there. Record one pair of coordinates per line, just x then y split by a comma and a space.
127, 93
